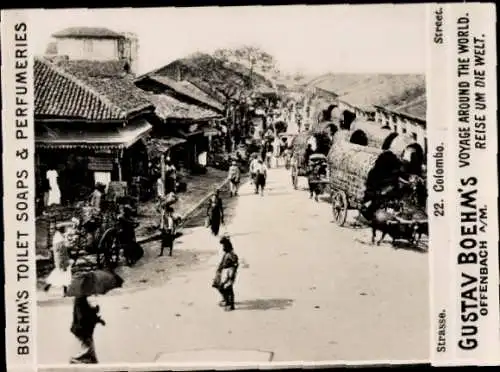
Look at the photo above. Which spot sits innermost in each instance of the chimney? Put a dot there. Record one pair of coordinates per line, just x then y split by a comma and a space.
126, 68
131, 52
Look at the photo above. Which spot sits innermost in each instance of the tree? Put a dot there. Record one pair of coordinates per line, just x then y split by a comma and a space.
250, 56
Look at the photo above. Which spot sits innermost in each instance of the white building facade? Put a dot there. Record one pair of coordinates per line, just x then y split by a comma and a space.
98, 44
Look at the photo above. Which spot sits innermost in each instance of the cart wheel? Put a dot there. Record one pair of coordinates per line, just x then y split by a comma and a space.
108, 252
339, 207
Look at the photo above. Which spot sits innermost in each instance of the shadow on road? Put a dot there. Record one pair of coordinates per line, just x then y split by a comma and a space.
397, 245
265, 304
420, 248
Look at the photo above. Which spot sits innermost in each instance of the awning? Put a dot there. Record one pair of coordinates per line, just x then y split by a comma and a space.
187, 134
158, 146
211, 132
108, 138
168, 107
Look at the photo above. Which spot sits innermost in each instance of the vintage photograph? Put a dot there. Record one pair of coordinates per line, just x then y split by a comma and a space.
223, 185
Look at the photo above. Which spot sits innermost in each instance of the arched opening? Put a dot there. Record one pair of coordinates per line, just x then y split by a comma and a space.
388, 141
359, 138
347, 119
333, 129
326, 114
414, 157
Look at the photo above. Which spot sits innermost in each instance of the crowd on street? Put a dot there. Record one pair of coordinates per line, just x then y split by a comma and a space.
272, 151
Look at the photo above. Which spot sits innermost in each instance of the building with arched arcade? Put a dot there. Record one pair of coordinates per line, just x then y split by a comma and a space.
386, 104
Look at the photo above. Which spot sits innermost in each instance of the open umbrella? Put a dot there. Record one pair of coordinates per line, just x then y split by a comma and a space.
94, 283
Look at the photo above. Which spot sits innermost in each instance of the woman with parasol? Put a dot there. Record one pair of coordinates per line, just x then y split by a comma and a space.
85, 316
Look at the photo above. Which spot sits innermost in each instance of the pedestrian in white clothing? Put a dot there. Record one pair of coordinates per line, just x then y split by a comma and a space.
253, 169
260, 179
60, 277
234, 178
54, 192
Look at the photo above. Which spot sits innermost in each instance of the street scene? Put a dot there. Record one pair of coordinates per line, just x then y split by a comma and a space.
225, 206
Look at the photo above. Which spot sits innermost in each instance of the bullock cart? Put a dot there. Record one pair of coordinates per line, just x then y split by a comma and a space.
320, 144
360, 175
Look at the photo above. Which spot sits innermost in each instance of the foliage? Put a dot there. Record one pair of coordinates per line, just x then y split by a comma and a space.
251, 56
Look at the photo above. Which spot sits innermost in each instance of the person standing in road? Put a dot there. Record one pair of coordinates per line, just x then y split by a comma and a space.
260, 177
253, 168
215, 213
127, 224
167, 230
234, 178
269, 155
85, 318
226, 274
170, 176
277, 152
294, 169
313, 179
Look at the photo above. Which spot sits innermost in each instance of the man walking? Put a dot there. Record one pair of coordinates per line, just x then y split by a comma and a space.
167, 230
313, 179
260, 177
253, 169
234, 178
226, 274
85, 318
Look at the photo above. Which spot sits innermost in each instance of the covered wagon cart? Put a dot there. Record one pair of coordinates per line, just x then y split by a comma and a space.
360, 175
320, 146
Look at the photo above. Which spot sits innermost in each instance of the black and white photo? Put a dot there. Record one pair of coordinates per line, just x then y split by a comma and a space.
216, 185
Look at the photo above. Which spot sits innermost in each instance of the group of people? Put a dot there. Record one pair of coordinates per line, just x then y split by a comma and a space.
258, 174
225, 274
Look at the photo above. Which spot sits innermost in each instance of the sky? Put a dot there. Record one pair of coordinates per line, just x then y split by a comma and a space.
308, 39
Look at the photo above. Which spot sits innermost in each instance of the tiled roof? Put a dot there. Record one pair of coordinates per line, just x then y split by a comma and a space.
211, 75
85, 68
201, 94
373, 89
94, 32
167, 107
58, 93
116, 137
188, 89
416, 108
385, 90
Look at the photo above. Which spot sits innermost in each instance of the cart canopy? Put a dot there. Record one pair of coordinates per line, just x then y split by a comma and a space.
368, 133
409, 151
360, 171
299, 145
